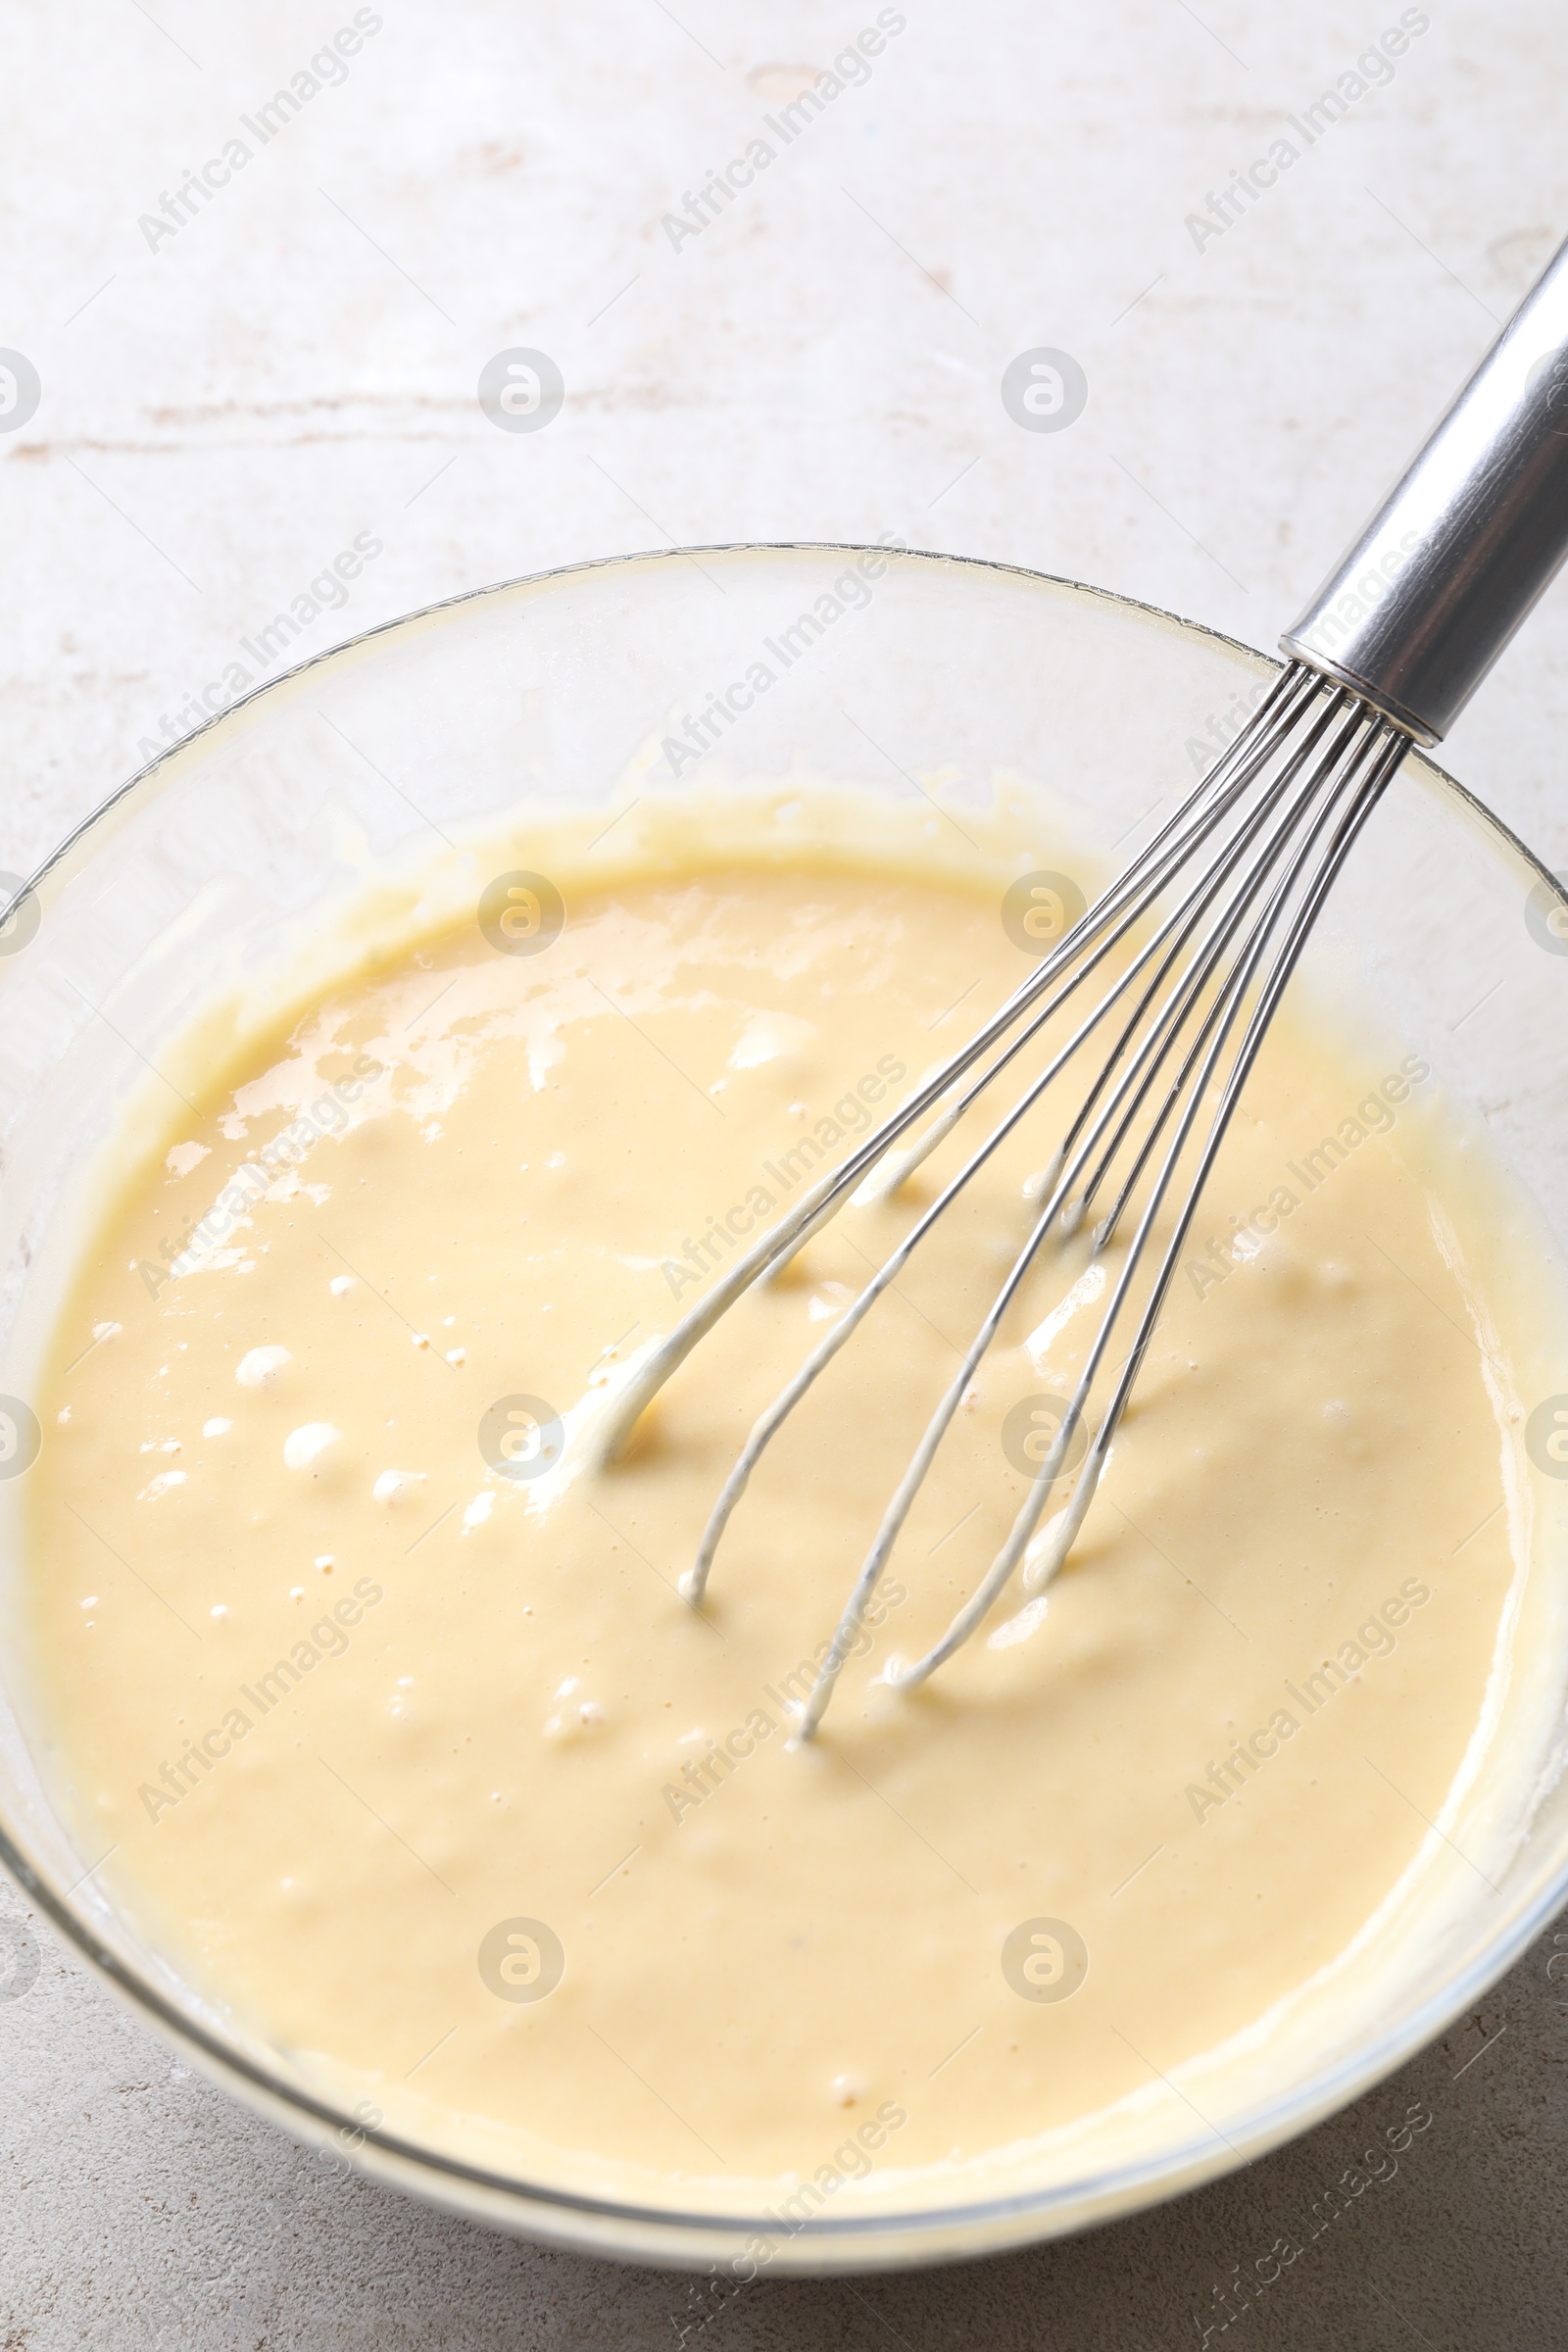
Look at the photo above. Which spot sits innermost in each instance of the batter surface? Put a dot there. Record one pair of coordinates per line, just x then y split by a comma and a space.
418, 1767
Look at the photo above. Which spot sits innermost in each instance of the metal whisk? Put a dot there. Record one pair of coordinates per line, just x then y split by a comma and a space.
1178, 967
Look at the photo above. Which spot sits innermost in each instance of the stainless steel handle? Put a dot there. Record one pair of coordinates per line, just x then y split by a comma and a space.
1418, 611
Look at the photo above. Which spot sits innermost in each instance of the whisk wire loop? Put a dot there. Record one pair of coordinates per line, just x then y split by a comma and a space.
1248, 859
1353, 803
1121, 905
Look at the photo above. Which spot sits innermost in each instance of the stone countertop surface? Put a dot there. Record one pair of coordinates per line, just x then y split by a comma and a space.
237, 377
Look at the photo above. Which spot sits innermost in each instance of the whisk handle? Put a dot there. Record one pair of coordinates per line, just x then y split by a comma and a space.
1419, 609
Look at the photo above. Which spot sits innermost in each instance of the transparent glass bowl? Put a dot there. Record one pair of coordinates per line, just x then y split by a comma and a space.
558, 693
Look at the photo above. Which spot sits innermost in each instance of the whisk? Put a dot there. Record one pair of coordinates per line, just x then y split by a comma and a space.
1178, 967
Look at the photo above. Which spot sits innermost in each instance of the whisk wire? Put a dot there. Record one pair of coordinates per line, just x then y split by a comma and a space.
1063, 1172
1349, 745
1254, 849
1361, 797
1180, 923
1123, 903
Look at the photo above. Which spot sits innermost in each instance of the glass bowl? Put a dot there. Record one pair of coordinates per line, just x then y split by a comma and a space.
911, 675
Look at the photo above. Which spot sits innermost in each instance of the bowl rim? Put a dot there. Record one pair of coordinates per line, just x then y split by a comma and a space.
822, 2244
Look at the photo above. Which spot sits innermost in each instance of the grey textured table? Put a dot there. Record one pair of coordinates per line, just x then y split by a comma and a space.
238, 378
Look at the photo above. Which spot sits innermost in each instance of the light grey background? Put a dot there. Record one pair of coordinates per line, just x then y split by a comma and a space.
226, 410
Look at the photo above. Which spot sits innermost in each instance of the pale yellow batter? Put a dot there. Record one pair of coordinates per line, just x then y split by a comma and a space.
422, 1771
